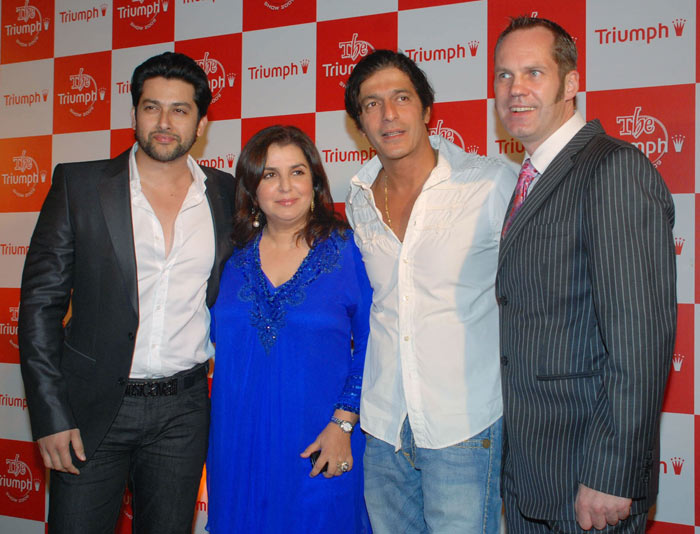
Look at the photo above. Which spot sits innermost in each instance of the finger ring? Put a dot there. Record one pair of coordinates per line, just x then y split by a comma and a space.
344, 467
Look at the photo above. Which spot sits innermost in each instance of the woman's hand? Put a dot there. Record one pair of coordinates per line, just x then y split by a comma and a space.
334, 445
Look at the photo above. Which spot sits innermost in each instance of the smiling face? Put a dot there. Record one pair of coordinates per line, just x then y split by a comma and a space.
392, 115
166, 122
532, 100
286, 188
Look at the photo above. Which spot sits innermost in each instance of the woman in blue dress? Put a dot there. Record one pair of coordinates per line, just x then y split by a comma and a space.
290, 325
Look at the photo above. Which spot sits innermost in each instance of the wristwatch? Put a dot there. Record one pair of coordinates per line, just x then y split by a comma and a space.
345, 426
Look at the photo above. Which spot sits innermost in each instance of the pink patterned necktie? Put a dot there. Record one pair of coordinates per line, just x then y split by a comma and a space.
525, 178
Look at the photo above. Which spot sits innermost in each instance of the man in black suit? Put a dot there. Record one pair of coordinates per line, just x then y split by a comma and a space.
136, 244
587, 300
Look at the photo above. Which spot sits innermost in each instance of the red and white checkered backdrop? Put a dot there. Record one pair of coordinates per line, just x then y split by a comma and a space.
65, 67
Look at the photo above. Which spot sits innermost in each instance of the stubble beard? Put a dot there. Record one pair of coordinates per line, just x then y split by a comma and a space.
150, 148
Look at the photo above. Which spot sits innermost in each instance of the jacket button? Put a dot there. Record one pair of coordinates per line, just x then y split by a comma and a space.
131, 336
504, 360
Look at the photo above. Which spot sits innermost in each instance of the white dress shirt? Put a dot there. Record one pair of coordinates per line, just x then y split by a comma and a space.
433, 347
548, 150
173, 332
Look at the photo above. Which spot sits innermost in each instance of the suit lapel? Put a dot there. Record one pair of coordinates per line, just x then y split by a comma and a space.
115, 200
557, 171
221, 215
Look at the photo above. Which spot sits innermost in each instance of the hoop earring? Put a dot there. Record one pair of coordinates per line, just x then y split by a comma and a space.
256, 218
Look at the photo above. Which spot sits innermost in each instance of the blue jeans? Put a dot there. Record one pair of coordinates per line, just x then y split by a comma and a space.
451, 490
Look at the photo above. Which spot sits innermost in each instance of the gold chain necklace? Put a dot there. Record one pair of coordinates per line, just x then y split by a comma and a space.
386, 200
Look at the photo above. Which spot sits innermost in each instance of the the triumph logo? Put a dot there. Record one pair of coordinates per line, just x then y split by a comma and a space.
678, 141
83, 94
30, 24
448, 133
25, 175
144, 15
218, 78
648, 134
677, 464
18, 481
473, 47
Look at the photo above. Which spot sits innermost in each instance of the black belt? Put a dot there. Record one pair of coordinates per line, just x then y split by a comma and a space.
164, 387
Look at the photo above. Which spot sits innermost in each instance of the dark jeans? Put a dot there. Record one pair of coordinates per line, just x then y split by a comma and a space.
156, 444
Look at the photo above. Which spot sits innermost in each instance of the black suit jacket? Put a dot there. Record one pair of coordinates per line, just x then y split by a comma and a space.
586, 287
82, 252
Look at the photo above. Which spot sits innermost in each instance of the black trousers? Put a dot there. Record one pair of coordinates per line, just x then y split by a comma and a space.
157, 445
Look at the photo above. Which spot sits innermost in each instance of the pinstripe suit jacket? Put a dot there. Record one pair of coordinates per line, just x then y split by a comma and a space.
586, 287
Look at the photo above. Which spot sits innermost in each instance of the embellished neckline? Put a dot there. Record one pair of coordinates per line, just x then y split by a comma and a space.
269, 304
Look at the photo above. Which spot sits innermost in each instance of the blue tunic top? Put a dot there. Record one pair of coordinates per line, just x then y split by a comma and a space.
284, 362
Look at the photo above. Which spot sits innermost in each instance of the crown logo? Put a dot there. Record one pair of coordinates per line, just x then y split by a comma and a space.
103, 9
678, 26
472, 149
679, 241
678, 362
677, 464
304, 65
230, 158
678, 141
473, 47
231, 77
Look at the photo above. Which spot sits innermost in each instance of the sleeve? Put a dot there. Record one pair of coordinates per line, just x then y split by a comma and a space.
628, 238
359, 321
47, 280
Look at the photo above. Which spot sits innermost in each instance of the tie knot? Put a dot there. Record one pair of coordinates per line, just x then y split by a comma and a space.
527, 171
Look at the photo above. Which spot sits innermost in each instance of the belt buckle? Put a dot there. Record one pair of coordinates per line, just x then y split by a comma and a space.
151, 389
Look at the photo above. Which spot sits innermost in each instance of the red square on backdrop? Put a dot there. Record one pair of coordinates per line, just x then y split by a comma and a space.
22, 493
463, 123
27, 30
25, 165
220, 57
569, 15
120, 140
648, 118
679, 388
142, 22
81, 101
259, 14
304, 121
340, 45
657, 527
9, 317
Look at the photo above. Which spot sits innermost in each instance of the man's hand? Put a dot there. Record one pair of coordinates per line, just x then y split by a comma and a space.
597, 509
55, 450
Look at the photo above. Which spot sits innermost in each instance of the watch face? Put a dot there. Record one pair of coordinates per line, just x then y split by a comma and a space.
345, 426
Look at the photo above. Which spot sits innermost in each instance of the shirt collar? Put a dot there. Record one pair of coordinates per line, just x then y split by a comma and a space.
548, 150
368, 173
198, 176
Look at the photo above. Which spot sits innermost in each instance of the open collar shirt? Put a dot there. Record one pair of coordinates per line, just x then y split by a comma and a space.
433, 347
173, 333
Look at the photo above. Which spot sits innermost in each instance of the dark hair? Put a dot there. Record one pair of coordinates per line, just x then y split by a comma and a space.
171, 65
564, 49
378, 60
249, 171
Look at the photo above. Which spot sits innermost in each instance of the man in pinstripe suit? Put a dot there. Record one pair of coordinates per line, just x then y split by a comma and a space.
586, 292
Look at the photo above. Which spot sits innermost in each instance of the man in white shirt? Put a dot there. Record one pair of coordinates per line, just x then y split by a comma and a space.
586, 292
136, 245
427, 217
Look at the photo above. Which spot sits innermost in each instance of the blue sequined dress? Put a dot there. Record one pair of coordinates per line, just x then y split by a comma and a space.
283, 364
